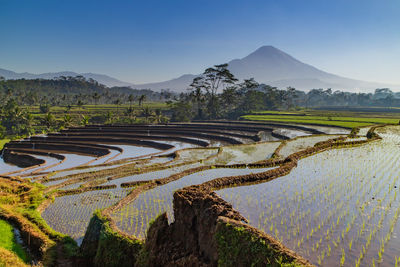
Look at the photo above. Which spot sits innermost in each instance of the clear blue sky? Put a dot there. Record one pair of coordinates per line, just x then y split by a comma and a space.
146, 41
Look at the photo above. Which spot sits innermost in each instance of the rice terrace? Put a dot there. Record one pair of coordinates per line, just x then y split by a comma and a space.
200, 133
207, 192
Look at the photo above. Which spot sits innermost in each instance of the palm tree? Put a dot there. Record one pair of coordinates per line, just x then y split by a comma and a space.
96, 98
142, 98
199, 99
118, 102
131, 99
80, 104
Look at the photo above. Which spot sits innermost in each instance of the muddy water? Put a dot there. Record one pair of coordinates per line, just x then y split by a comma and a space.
267, 136
135, 217
339, 205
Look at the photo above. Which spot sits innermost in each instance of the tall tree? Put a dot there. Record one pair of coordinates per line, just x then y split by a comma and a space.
142, 99
211, 81
131, 99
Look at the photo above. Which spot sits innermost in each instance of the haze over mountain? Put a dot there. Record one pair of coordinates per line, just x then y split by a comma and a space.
101, 78
267, 65
274, 67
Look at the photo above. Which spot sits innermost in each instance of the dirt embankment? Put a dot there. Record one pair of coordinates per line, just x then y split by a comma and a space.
21, 160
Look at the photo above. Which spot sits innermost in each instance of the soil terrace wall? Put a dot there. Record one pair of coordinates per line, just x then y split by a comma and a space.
82, 149
21, 160
180, 133
71, 140
38, 242
182, 126
205, 233
279, 136
121, 137
166, 129
43, 139
41, 153
270, 124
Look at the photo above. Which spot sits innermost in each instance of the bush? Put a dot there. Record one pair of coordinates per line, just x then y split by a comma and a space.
44, 108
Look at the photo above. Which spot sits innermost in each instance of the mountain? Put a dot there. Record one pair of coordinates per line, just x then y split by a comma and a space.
267, 65
274, 67
101, 78
179, 84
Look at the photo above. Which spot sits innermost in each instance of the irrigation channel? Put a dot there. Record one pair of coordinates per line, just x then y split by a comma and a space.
337, 205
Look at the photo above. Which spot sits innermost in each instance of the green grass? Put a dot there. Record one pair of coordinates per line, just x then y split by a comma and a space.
342, 121
3, 142
7, 241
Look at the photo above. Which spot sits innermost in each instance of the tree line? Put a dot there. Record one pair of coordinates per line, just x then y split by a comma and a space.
217, 94
74, 91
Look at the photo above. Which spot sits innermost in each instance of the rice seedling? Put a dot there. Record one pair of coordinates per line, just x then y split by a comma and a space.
334, 203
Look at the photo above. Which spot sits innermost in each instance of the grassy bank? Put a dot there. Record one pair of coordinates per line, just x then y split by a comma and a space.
7, 241
3, 142
342, 119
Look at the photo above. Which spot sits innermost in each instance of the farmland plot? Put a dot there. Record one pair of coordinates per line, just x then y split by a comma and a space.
244, 153
70, 214
135, 217
301, 143
337, 208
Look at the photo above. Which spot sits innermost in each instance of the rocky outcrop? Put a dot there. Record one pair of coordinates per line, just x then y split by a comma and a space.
202, 221
102, 246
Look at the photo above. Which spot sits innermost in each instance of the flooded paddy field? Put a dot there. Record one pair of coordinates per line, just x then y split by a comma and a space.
298, 144
339, 207
70, 214
135, 217
336, 206
7, 167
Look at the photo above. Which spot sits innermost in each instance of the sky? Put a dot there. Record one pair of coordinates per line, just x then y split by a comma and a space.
150, 41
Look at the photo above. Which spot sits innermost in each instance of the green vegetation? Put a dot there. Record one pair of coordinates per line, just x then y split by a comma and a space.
8, 258
19, 121
19, 204
322, 121
64, 91
238, 246
322, 117
8, 241
109, 247
217, 94
3, 142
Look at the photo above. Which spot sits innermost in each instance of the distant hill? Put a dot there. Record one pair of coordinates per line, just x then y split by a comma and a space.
101, 78
274, 67
267, 65
64, 91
